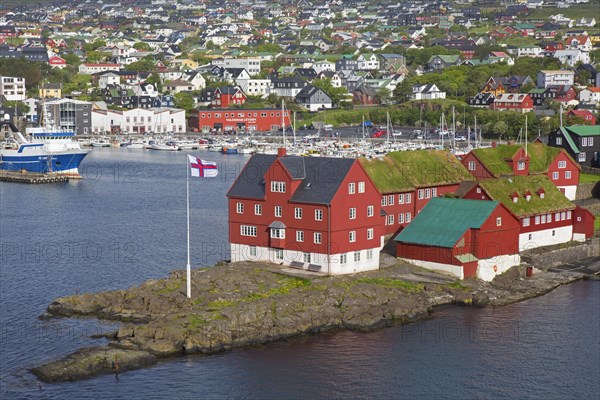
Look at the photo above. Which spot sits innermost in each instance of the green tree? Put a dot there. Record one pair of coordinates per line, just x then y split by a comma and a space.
184, 100
22, 107
143, 65
72, 59
142, 46
384, 96
96, 56
94, 45
403, 91
336, 94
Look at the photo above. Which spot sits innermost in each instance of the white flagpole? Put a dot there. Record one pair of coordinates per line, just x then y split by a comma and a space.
189, 272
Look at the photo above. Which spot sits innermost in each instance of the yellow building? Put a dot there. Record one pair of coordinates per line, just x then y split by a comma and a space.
595, 38
51, 91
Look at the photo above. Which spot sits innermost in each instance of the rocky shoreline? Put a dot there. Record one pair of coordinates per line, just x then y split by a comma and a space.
243, 304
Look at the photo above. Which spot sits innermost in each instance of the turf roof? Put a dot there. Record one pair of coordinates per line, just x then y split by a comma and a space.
496, 159
406, 170
501, 189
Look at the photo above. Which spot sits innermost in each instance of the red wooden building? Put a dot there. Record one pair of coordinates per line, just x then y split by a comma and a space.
229, 119
546, 215
316, 213
466, 238
229, 95
516, 160
409, 179
513, 102
586, 115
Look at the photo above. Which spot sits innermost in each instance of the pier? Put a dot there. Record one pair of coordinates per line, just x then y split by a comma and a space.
32, 177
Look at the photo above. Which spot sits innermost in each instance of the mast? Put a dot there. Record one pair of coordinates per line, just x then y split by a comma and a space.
363, 127
453, 131
283, 122
388, 127
476, 142
525, 135
294, 128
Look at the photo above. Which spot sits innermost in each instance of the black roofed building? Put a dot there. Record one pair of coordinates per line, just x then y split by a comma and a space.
316, 213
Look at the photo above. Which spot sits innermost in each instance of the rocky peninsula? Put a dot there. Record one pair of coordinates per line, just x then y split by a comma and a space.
243, 304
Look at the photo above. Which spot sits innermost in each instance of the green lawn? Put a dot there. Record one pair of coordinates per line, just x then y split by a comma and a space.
597, 224
589, 178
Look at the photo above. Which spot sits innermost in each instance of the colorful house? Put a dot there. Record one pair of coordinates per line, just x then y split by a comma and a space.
546, 216
315, 213
228, 95
519, 102
466, 238
582, 142
515, 160
408, 180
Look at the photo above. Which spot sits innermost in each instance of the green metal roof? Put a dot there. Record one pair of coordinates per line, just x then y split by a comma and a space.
569, 139
584, 130
444, 221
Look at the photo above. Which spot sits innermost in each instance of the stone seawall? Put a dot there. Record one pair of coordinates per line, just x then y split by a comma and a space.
548, 257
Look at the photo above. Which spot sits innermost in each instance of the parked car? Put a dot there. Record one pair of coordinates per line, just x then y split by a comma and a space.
379, 133
397, 133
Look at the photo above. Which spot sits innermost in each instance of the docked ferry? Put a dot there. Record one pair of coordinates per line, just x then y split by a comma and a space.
48, 151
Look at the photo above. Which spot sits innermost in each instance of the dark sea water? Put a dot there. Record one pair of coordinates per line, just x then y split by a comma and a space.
125, 223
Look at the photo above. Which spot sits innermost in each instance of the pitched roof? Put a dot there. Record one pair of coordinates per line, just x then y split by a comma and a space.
501, 189
458, 216
321, 177
401, 171
495, 159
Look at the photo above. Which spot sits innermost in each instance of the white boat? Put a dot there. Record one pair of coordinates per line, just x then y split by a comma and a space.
100, 142
168, 146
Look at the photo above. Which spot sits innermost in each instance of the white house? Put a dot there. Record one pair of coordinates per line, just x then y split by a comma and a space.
321, 66
12, 88
91, 68
139, 120
368, 61
590, 95
547, 78
572, 57
255, 87
529, 51
427, 91
109, 78
252, 65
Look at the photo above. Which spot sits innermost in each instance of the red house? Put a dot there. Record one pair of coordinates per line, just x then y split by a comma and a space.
315, 213
520, 102
225, 119
227, 95
409, 179
57, 62
514, 160
545, 214
586, 115
467, 238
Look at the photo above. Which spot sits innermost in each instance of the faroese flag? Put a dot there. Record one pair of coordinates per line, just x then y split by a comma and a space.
202, 169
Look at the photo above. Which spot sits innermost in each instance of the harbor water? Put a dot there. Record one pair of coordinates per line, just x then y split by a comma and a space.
125, 223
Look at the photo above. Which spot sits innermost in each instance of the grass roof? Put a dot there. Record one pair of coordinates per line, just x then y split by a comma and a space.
495, 159
501, 190
407, 170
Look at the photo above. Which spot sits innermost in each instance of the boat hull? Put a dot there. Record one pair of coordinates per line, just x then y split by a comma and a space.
66, 163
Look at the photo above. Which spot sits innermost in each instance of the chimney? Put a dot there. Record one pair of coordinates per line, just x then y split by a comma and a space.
281, 152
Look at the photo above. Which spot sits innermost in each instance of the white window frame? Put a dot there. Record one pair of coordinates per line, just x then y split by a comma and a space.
537, 219
390, 200
352, 213
408, 198
239, 208
343, 258
248, 230
318, 215
357, 256
420, 194
252, 251
351, 188
384, 201
562, 164
277, 233
499, 221
433, 192
567, 174
278, 211
298, 213
555, 175
427, 193
369, 254
370, 211
472, 165
401, 198
370, 233
361, 187
352, 236
299, 236
277, 187
390, 219
581, 157
317, 238
407, 217
279, 254
306, 257
258, 209
401, 218
526, 221
520, 165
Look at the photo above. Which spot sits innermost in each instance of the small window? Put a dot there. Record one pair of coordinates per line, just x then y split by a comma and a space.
370, 254
408, 198
370, 211
420, 194
553, 232
351, 188
581, 157
356, 256
427, 193
537, 219
318, 215
252, 251
543, 218
521, 165
567, 174
369, 233
433, 192
526, 221
257, 209
352, 213
317, 238
407, 217
343, 258
390, 219
401, 218
555, 175
471, 165
400, 199
352, 236
530, 236
277, 233
390, 200
240, 208
361, 187
298, 213
278, 211
279, 254
306, 257
562, 164
384, 201
299, 236
498, 221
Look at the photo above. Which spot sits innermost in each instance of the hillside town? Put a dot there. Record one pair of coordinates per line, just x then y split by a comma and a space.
210, 68
486, 58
